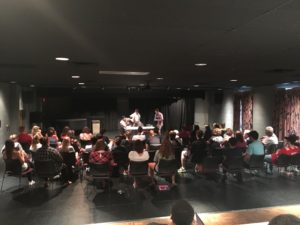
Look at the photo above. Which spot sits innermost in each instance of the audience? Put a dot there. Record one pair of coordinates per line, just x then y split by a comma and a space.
255, 148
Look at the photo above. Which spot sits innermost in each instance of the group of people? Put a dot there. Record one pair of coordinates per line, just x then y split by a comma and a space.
134, 120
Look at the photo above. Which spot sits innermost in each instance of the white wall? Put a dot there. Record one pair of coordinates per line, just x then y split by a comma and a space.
227, 109
263, 106
201, 112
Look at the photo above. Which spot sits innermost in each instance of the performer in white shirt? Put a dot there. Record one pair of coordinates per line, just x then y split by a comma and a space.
158, 119
136, 118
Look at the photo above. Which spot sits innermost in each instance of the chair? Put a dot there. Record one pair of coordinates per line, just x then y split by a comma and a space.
46, 169
13, 167
138, 169
210, 165
283, 161
25, 146
234, 165
256, 162
166, 168
152, 150
295, 162
100, 172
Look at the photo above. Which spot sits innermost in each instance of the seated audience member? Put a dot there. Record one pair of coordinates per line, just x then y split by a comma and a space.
35, 144
100, 153
140, 135
69, 158
106, 139
165, 152
176, 146
36, 130
232, 152
228, 134
139, 154
85, 137
10, 153
241, 143
185, 135
182, 213
17, 145
255, 147
246, 136
52, 137
24, 138
285, 219
153, 138
193, 134
216, 136
289, 149
49, 153
207, 133
123, 124
198, 151
120, 153
65, 132
270, 138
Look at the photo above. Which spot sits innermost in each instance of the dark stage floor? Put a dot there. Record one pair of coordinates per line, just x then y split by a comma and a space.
82, 204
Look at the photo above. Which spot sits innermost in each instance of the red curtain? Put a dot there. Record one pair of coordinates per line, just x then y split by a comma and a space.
244, 99
287, 112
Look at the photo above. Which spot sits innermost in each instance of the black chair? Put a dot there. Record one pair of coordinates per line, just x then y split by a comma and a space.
283, 161
137, 169
166, 168
100, 172
295, 160
69, 159
152, 150
234, 165
13, 167
45, 169
256, 162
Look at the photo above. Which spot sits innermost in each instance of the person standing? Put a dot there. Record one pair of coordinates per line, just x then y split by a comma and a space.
158, 119
136, 118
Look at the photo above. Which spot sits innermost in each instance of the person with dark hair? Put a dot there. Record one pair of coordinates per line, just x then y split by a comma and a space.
49, 153
64, 132
24, 138
241, 143
285, 219
10, 153
182, 213
52, 137
198, 151
139, 153
255, 147
207, 133
100, 153
85, 137
140, 135
290, 148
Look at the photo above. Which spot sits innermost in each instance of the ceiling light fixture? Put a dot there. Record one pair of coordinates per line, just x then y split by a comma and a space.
12, 82
126, 73
196, 85
220, 89
201, 64
178, 88
62, 59
32, 85
233, 80
75, 77
81, 83
159, 78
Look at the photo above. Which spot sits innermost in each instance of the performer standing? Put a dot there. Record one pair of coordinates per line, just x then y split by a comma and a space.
136, 118
159, 119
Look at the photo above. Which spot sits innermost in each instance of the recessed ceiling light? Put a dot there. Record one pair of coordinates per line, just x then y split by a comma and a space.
220, 89
233, 80
159, 78
178, 88
196, 85
32, 85
62, 59
142, 85
81, 83
75, 77
126, 73
12, 82
201, 64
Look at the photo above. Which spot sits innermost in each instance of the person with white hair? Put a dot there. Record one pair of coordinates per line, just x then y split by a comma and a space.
270, 138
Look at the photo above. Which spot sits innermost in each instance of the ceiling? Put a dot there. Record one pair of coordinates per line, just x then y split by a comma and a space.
256, 42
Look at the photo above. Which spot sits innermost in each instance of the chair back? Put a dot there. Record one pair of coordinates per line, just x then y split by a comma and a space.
271, 148
45, 168
295, 160
283, 160
69, 158
138, 168
99, 170
256, 161
167, 166
13, 166
154, 147
234, 164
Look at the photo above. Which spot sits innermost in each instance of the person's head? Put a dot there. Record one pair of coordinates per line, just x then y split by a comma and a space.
151, 132
172, 135
21, 129
100, 145
166, 148
139, 146
196, 127
13, 137
140, 129
66, 143
65, 130
292, 138
253, 135
156, 110
285, 219
269, 131
9, 147
216, 132
44, 142
35, 129
50, 131
229, 132
86, 130
35, 139
136, 110
239, 136
156, 130
232, 142
199, 134
182, 213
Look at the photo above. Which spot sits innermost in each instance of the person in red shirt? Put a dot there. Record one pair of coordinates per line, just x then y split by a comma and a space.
24, 138
290, 148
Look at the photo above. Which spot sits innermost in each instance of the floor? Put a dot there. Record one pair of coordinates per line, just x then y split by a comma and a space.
80, 203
